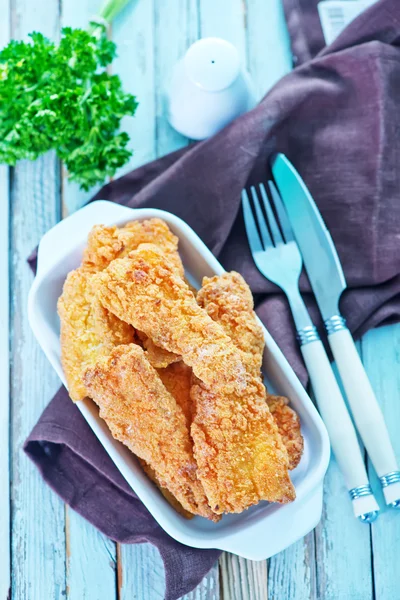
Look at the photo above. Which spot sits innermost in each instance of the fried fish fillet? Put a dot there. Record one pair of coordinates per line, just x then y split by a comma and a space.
228, 300
144, 416
158, 357
88, 331
105, 244
177, 379
170, 498
240, 455
288, 423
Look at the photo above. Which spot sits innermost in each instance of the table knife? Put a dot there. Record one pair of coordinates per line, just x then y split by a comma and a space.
327, 280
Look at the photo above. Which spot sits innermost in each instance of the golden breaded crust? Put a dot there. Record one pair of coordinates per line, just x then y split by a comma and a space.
158, 357
170, 498
288, 423
144, 416
88, 331
240, 455
105, 244
177, 379
228, 300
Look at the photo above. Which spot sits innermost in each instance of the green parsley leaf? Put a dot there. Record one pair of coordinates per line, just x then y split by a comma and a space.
61, 97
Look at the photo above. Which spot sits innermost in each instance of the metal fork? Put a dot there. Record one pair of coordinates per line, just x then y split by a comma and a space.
277, 257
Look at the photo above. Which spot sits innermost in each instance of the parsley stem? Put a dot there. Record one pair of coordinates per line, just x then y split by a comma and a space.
108, 12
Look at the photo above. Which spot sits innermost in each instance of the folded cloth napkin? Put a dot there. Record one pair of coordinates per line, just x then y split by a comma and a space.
337, 119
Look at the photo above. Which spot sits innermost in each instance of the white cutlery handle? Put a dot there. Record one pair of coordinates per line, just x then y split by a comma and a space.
341, 431
367, 413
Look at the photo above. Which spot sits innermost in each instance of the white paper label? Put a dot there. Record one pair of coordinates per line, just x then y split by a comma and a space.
335, 15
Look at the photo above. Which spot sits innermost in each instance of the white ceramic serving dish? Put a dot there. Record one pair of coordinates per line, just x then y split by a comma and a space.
257, 533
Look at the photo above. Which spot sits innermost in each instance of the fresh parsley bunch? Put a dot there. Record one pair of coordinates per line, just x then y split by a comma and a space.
61, 97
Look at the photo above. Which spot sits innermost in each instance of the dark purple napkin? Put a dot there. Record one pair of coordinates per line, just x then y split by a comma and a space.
77, 467
337, 118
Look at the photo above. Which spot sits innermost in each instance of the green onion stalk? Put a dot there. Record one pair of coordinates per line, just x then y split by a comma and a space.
107, 13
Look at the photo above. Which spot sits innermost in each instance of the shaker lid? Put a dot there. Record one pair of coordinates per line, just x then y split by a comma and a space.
212, 63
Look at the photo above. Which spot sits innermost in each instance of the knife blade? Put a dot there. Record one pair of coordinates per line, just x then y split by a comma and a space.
321, 260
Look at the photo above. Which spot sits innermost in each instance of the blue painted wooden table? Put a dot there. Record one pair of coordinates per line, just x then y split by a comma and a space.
47, 551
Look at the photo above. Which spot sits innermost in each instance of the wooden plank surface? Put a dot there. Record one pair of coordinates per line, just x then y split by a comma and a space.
133, 30
5, 562
241, 578
291, 573
268, 46
217, 21
91, 557
338, 536
176, 27
381, 357
90, 561
343, 546
75, 13
331, 563
38, 542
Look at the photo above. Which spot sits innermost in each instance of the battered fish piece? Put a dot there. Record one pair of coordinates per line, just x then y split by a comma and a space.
144, 416
240, 455
228, 300
288, 423
105, 244
158, 357
177, 378
166, 493
88, 331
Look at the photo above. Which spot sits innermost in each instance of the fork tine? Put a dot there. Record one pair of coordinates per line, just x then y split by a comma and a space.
250, 224
273, 225
266, 238
281, 211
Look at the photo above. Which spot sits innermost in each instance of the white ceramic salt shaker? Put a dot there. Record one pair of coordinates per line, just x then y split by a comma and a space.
208, 89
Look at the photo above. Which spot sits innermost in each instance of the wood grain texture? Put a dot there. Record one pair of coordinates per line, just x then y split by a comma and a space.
338, 536
91, 561
75, 13
237, 576
343, 548
241, 578
218, 21
140, 569
5, 562
176, 27
268, 46
140, 572
291, 573
381, 357
133, 30
38, 542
